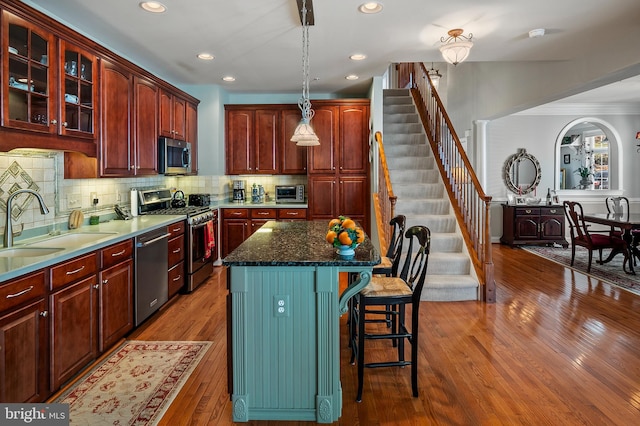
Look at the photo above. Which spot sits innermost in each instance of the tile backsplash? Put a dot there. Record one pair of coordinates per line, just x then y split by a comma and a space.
42, 171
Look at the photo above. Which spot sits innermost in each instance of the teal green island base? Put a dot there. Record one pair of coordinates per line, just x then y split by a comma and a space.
284, 319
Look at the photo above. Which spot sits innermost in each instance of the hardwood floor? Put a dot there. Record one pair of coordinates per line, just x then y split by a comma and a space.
557, 348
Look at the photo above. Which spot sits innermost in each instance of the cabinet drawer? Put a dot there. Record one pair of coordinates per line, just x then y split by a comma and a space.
176, 250
284, 214
263, 213
73, 270
116, 253
176, 229
552, 211
528, 211
17, 292
176, 278
235, 213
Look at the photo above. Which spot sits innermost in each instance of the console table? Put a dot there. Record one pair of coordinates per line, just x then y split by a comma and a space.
533, 224
283, 324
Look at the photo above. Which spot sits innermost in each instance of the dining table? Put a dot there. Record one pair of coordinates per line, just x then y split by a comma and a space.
627, 223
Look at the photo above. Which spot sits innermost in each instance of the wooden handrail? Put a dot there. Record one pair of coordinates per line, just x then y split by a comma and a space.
471, 205
384, 201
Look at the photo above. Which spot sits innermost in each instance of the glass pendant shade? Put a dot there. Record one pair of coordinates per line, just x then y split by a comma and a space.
456, 47
304, 134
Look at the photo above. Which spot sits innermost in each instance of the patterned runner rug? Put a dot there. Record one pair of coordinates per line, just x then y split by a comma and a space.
135, 385
610, 272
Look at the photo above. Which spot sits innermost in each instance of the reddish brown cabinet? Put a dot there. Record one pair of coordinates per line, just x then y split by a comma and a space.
173, 111
116, 142
24, 331
533, 225
145, 124
176, 258
293, 158
251, 140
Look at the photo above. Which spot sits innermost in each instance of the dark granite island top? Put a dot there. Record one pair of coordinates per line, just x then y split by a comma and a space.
284, 321
298, 243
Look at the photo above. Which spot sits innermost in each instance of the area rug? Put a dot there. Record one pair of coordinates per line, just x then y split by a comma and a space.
135, 385
610, 272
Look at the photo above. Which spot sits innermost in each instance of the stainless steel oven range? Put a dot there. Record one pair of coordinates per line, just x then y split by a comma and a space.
201, 230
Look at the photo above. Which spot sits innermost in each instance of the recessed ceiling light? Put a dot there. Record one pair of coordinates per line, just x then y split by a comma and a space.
153, 6
538, 32
370, 7
229, 78
358, 57
206, 56
352, 77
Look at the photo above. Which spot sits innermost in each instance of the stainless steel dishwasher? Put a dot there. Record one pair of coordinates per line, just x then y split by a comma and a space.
151, 264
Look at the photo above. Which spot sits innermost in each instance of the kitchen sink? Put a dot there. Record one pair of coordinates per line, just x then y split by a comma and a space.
28, 251
73, 239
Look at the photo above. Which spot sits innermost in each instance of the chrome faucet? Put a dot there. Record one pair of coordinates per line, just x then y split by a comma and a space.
8, 226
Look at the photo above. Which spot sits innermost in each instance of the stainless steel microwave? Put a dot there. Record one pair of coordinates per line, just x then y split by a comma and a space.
174, 157
289, 193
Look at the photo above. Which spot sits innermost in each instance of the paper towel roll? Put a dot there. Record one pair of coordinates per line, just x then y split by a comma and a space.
134, 202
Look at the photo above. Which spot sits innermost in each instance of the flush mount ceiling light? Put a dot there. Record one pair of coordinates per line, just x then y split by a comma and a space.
153, 6
206, 56
434, 76
228, 78
352, 77
456, 47
370, 7
358, 57
304, 134
538, 32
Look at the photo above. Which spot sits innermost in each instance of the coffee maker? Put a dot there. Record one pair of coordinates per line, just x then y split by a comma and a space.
238, 190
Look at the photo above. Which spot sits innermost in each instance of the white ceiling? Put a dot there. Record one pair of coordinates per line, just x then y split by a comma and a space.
260, 41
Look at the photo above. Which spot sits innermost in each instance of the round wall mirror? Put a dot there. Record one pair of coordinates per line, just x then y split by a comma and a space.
521, 172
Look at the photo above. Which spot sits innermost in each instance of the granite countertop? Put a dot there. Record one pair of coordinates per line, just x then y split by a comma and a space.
106, 233
298, 243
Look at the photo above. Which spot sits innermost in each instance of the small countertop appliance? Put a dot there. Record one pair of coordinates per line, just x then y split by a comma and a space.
239, 191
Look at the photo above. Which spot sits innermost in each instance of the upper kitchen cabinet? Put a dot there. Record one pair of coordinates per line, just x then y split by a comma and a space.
343, 130
49, 89
293, 160
28, 79
192, 134
173, 111
251, 140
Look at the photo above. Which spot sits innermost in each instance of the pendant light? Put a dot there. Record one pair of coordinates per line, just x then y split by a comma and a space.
304, 134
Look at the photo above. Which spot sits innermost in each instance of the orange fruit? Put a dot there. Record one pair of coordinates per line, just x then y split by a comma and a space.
331, 236
344, 239
348, 224
360, 234
333, 223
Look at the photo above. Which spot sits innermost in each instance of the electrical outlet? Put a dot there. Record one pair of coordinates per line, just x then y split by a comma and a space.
118, 197
73, 201
281, 306
93, 198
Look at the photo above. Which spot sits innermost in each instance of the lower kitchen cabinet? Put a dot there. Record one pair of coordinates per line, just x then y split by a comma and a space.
116, 294
24, 333
235, 229
331, 196
176, 258
74, 329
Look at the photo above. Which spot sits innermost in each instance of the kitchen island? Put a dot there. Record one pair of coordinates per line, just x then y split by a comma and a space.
284, 309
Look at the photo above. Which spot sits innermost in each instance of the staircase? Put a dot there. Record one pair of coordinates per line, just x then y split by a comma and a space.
423, 200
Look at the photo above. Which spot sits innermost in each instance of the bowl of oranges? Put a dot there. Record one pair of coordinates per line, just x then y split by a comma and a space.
345, 236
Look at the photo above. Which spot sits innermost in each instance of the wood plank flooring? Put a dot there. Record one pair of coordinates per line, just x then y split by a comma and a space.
557, 348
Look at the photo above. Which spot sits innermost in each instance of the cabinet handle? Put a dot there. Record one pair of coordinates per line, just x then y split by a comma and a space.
177, 251
44, 314
236, 213
96, 286
292, 213
552, 211
263, 213
118, 253
54, 121
177, 278
64, 124
527, 211
175, 230
20, 293
105, 282
76, 271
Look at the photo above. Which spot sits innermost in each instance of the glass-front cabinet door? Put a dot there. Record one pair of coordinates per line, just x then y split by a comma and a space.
27, 76
77, 69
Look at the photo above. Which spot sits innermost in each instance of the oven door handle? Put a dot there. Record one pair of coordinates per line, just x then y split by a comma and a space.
200, 225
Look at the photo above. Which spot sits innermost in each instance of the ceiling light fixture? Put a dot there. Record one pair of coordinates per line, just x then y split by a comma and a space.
538, 32
352, 77
434, 76
456, 47
228, 78
206, 56
358, 57
153, 6
304, 134
370, 7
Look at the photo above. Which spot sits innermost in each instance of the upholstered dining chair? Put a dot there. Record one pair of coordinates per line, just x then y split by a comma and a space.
580, 236
395, 247
397, 292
